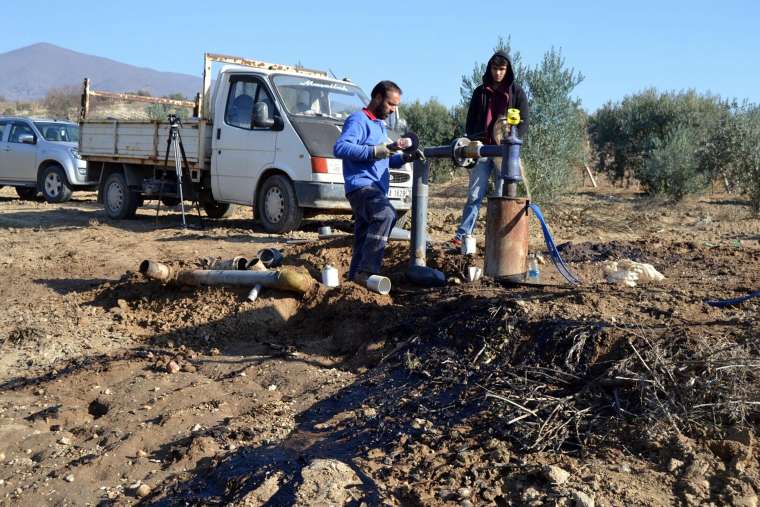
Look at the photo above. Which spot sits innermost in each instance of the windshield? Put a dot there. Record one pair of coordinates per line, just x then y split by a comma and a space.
306, 96
63, 132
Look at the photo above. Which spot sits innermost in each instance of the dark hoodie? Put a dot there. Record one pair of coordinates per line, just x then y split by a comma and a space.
480, 120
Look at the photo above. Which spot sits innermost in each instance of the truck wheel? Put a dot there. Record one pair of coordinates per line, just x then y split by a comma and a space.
120, 202
277, 206
215, 209
27, 193
54, 184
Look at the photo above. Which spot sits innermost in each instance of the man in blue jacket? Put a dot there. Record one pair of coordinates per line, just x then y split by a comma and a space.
366, 159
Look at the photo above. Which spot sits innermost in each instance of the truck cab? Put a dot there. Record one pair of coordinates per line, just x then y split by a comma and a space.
272, 143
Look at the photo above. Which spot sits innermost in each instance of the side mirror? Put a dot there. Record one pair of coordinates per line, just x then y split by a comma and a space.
261, 116
27, 139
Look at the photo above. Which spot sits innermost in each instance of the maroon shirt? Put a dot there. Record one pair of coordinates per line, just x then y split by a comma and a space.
497, 106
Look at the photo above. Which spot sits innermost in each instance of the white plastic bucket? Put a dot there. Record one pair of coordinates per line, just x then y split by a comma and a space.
330, 276
468, 245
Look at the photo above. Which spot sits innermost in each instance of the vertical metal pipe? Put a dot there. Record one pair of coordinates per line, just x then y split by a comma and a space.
420, 176
506, 238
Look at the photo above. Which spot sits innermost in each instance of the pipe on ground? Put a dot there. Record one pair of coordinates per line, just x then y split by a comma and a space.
285, 279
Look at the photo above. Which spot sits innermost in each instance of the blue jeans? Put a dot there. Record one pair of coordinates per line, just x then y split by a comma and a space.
374, 217
476, 190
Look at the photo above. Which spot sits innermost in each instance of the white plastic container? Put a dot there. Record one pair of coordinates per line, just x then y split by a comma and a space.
379, 284
330, 276
469, 246
474, 273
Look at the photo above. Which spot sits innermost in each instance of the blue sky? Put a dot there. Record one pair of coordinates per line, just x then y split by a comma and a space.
425, 46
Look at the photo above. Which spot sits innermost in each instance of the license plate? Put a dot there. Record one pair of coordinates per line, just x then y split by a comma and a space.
398, 193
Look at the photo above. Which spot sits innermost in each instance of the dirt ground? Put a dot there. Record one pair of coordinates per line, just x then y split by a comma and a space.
116, 390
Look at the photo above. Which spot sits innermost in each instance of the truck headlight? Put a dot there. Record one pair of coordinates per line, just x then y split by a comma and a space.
75, 153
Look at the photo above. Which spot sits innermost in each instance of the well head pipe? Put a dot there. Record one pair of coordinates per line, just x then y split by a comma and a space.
506, 238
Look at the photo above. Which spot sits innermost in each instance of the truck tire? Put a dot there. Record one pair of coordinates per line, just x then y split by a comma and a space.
27, 193
215, 209
277, 206
54, 184
120, 202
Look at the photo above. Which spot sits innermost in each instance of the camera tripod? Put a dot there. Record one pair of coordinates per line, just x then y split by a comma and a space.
174, 144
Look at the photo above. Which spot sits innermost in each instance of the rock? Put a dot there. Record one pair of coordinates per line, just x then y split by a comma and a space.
172, 367
674, 465
69, 478
530, 494
326, 482
141, 454
369, 413
464, 492
261, 495
142, 491
555, 474
582, 499
64, 441
272, 387
745, 501
189, 368
2, 456
123, 305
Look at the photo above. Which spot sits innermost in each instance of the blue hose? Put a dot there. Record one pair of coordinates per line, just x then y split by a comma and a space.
552, 248
722, 303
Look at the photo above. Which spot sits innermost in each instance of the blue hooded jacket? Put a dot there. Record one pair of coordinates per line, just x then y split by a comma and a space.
354, 147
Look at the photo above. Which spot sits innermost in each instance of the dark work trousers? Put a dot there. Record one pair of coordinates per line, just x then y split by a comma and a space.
374, 216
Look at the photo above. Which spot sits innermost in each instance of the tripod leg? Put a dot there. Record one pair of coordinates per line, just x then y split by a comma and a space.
178, 168
184, 160
166, 164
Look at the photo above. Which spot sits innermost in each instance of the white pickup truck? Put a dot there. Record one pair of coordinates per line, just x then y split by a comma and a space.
263, 138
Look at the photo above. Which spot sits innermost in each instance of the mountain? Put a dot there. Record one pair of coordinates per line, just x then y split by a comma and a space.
29, 72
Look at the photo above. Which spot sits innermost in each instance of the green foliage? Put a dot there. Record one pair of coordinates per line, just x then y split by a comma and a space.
624, 135
431, 121
435, 126
743, 160
557, 134
672, 167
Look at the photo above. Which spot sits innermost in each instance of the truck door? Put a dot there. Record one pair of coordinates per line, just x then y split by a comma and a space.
4, 128
20, 159
242, 149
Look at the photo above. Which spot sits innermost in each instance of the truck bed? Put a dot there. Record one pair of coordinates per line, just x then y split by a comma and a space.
141, 142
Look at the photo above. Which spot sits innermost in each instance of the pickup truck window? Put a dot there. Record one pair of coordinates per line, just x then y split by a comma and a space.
19, 129
65, 132
316, 97
2, 130
245, 91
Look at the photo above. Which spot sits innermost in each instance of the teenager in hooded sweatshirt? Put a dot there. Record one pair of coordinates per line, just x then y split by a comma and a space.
366, 159
489, 102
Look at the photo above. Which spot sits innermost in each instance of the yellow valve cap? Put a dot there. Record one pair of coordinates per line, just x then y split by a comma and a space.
513, 116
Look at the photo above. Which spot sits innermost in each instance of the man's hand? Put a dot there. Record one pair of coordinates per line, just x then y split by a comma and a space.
380, 151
